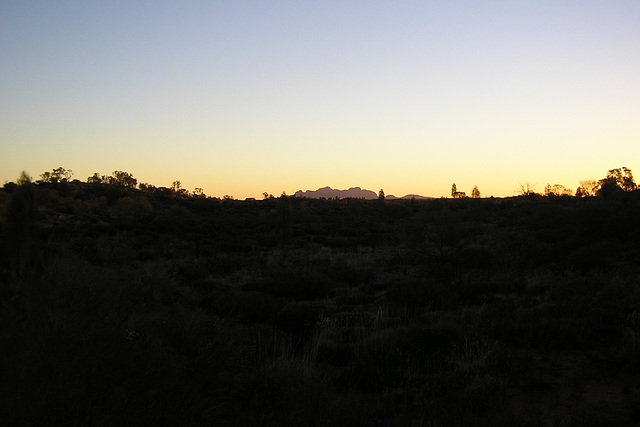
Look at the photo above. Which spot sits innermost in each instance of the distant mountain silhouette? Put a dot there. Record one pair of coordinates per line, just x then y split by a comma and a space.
413, 196
329, 193
353, 192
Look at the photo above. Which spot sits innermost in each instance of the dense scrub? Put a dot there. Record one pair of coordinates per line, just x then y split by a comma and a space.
127, 307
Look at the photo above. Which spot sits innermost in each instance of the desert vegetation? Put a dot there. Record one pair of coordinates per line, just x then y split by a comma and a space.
129, 304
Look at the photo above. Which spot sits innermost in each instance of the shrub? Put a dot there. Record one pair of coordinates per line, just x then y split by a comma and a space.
245, 305
283, 394
350, 275
298, 319
293, 284
133, 209
334, 353
474, 258
395, 357
419, 296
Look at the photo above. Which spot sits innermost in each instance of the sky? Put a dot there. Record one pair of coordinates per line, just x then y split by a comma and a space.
245, 97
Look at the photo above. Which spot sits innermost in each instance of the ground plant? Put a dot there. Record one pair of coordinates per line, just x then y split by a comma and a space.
135, 305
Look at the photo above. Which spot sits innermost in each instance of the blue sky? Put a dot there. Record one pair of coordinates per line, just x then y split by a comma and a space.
242, 97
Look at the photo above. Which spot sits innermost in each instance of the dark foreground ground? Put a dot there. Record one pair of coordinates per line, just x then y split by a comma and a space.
128, 307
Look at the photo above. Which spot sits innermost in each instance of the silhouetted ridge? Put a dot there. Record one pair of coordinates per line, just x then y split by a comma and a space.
330, 193
414, 196
353, 192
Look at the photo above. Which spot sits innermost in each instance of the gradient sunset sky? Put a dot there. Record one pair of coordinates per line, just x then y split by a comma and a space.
242, 97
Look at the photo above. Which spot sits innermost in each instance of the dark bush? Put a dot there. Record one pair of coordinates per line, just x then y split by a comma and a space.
350, 275
386, 358
592, 257
298, 318
301, 286
474, 258
282, 395
334, 353
245, 305
191, 271
420, 296
479, 291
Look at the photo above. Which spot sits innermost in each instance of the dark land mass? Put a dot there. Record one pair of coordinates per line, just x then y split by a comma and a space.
121, 306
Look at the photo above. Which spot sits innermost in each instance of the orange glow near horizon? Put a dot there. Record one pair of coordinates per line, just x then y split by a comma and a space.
280, 97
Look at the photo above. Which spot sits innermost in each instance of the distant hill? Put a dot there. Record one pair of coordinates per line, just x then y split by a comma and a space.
353, 192
330, 193
413, 196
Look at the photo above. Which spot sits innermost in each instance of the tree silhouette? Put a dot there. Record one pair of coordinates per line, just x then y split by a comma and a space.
176, 186
616, 180
59, 174
24, 178
475, 193
587, 188
556, 190
96, 178
457, 194
124, 179
628, 183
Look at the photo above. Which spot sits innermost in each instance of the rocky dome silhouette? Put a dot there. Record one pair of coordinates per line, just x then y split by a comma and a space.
353, 192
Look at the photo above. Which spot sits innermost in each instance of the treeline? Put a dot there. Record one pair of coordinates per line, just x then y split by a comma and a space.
118, 178
616, 183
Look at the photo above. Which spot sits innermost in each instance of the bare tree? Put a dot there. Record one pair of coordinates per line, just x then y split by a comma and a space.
587, 188
526, 189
